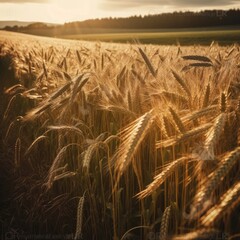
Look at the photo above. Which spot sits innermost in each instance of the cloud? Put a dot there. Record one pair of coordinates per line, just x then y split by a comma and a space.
203, 3
125, 4
24, 1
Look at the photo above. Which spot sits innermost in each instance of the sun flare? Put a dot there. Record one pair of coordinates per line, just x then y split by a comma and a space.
75, 9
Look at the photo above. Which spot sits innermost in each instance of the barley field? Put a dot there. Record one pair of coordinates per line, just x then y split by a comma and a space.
118, 141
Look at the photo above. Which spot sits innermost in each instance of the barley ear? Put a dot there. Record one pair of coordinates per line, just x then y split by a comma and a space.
148, 63
181, 83
89, 153
177, 121
204, 196
228, 201
197, 58
79, 218
205, 233
206, 97
165, 223
17, 158
223, 103
132, 137
160, 178
214, 134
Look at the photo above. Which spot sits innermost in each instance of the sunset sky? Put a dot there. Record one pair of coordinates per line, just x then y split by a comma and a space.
60, 11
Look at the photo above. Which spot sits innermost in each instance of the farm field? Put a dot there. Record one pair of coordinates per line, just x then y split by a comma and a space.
119, 141
223, 37
184, 36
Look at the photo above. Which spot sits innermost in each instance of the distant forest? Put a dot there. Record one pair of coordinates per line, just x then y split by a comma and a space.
207, 18
166, 20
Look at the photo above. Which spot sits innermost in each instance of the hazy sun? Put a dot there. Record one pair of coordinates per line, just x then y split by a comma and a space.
75, 9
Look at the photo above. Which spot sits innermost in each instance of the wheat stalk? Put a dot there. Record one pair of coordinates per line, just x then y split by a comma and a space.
36, 141
199, 113
206, 96
173, 97
238, 137
187, 136
223, 103
161, 178
165, 223
10, 106
131, 140
148, 62
228, 201
78, 231
213, 135
205, 193
17, 158
67, 128
60, 91
182, 83
177, 120
79, 57
75, 87
45, 70
64, 175
56, 165
138, 76
14, 89
12, 126
197, 58
88, 154
205, 233
165, 127
200, 65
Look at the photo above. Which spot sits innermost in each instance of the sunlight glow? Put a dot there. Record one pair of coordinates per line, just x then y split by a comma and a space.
75, 9
61, 11
56, 11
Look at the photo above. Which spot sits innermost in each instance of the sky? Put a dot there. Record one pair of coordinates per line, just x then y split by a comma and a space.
61, 11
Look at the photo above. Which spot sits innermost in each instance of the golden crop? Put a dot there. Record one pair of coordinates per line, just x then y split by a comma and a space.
145, 138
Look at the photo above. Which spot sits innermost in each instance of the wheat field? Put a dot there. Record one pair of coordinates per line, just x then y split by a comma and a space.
119, 141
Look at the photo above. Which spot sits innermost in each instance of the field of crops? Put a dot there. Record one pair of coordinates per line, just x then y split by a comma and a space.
184, 37
118, 141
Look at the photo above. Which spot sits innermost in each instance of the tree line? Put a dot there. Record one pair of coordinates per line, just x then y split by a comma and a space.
188, 19
207, 18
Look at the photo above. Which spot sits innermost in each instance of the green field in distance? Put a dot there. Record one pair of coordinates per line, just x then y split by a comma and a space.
185, 36
223, 37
